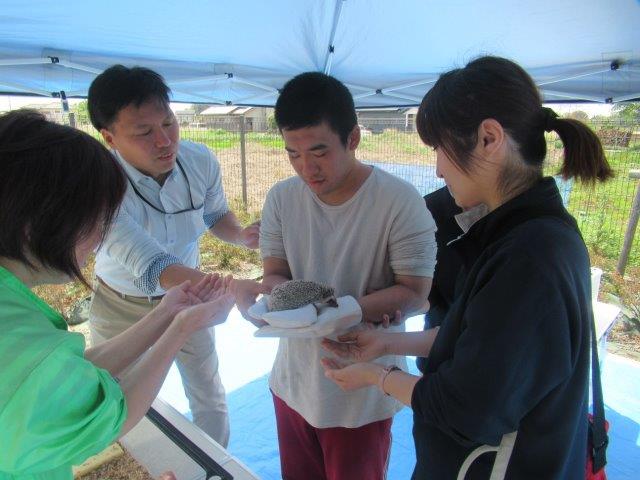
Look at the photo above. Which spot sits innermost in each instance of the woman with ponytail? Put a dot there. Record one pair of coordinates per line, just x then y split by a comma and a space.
509, 365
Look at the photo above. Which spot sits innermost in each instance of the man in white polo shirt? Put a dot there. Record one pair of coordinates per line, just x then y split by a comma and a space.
174, 195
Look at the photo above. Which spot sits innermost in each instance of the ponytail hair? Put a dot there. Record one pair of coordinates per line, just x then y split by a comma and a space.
497, 88
584, 157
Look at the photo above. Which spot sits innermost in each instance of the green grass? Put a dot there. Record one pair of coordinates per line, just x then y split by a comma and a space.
222, 139
272, 140
392, 140
603, 210
214, 139
222, 257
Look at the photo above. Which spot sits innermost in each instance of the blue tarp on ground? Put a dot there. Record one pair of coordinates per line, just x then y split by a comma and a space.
254, 440
253, 429
389, 53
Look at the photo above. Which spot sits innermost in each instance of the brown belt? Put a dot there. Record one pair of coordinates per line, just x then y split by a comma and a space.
124, 296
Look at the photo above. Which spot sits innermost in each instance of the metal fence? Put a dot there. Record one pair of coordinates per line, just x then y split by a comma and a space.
252, 157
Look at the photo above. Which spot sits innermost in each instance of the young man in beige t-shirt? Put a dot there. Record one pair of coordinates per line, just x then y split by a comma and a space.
360, 230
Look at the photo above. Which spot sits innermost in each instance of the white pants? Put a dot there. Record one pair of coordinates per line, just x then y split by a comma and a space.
197, 361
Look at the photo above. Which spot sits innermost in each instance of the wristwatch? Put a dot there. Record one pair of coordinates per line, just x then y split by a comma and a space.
383, 376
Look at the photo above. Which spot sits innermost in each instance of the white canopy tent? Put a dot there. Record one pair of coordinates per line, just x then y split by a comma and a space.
389, 53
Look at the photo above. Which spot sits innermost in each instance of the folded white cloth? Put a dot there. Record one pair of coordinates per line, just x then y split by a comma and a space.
296, 318
304, 322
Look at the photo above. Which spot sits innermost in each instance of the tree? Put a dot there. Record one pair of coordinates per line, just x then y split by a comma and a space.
579, 115
272, 126
198, 108
627, 111
81, 111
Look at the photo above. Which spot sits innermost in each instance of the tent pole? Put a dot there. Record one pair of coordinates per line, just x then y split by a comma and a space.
243, 161
208, 78
573, 77
631, 227
626, 98
351, 86
23, 61
251, 83
365, 95
387, 90
337, 14
77, 66
25, 89
573, 96
409, 85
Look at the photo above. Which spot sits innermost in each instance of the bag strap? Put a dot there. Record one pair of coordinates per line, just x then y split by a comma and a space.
503, 455
597, 431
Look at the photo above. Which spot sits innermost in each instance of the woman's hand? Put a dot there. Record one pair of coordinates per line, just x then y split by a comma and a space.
351, 377
204, 315
359, 345
185, 295
246, 292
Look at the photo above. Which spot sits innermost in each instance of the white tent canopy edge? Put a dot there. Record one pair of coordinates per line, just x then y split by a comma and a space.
387, 53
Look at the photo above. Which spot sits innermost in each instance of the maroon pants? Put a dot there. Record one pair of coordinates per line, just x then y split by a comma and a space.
309, 453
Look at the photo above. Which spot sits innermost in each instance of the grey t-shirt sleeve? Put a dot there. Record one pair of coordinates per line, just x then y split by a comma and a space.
412, 240
271, 240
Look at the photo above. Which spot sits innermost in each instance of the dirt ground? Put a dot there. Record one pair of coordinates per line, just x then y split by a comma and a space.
123, 468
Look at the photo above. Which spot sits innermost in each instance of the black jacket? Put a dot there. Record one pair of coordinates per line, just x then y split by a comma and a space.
443, 209
513, 351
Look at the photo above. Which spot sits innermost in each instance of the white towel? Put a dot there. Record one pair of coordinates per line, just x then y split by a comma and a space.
304, 322
296, 318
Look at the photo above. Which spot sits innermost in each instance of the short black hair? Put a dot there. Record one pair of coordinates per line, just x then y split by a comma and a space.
119, 86
57, 185
311, 98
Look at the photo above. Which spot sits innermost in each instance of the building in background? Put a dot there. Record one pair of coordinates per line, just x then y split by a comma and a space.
377, 120
225, 117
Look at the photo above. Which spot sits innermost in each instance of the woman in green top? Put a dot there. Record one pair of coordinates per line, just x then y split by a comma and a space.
60, 403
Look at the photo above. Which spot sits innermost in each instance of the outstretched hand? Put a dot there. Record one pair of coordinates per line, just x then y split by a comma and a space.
359, 345
351, 377
206, 314
212, 286
246, 292
185, 295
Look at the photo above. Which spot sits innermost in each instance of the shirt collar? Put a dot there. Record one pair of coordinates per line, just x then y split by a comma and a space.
541, 200
466, 219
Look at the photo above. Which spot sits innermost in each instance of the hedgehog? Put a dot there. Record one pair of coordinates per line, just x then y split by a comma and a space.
298, 293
